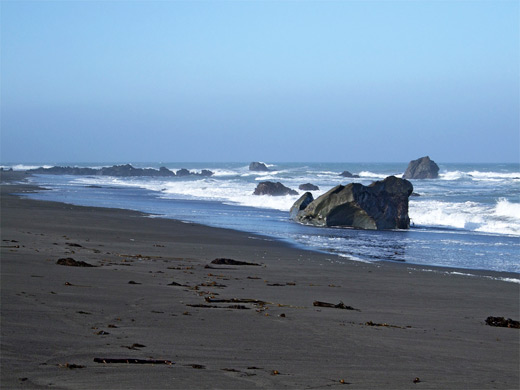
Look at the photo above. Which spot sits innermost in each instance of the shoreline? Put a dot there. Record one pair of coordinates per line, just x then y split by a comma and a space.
506, 276
56, 320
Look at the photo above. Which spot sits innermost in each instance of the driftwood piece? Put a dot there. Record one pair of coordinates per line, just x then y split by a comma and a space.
73, 263
231, 262
73, 244
236, 300
176, 284
340, 305
132, 361
384, 324
238, 307
502, 322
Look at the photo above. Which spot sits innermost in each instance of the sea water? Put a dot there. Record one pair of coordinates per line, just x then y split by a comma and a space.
467, 218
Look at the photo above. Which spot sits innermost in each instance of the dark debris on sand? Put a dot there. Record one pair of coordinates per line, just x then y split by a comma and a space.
231, 262
69, 261
502, 322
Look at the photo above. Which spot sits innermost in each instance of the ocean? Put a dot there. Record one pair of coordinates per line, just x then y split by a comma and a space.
467, 218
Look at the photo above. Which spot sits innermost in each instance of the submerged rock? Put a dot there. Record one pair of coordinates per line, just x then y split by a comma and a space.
273, 189
381, 205
422, 168
258, 166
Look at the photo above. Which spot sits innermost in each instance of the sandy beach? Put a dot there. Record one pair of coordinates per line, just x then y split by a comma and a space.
154, 295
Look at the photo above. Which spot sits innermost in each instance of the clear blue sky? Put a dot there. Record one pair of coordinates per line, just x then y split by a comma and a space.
345, 81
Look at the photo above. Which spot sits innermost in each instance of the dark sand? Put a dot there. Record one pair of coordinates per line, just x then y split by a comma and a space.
52, 315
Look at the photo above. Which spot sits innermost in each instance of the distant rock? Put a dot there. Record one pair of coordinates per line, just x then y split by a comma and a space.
129, 170
273, 189
381, 205
300, 204
182, 172
308, 187
163, 171
64, 171
118, 170
422, 168
258, 167
348, 174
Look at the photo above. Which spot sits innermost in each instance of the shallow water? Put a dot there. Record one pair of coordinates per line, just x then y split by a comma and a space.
468, 218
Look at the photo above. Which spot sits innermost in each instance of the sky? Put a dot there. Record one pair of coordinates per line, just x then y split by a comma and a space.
278, 81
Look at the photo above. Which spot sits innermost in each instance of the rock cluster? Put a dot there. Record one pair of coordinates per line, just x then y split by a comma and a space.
381, 205
119, 170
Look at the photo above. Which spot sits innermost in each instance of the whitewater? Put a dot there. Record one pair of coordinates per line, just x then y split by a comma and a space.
467, 218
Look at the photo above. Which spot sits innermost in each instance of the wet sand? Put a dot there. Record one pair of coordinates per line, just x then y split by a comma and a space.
154, 294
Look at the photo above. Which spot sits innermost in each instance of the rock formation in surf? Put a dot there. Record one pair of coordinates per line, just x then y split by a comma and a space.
273, 189
119, 170
258, 167
422, 168
348, 174
381, 205
308, 187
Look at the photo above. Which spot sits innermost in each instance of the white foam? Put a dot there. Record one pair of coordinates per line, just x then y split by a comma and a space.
509, 280
479, 176
504, 208
354, 258
501, 218
23, 167
453, 175
372, 175
224, 172
494, 175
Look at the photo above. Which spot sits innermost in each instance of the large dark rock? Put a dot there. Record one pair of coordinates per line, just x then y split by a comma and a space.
258, 166
348, 174
300, 204
422, 168
273, 189
381, 205
308, 187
